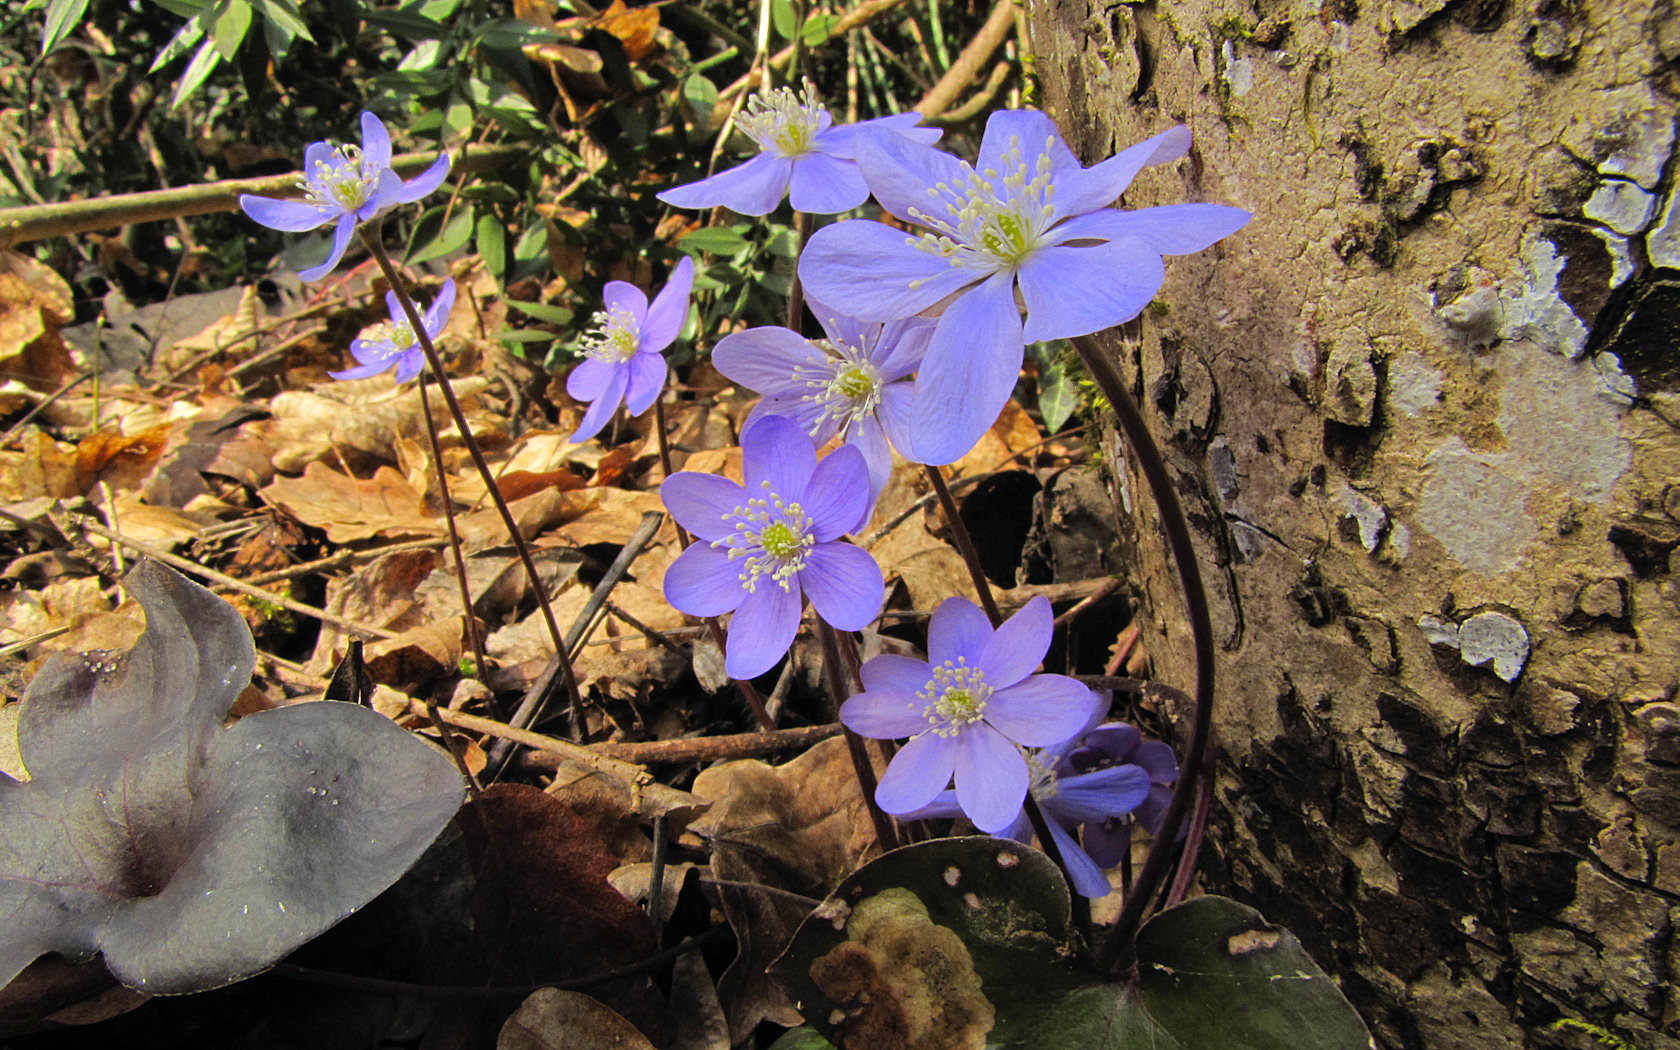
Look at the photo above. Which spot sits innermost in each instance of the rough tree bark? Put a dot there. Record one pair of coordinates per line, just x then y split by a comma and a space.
1425, 415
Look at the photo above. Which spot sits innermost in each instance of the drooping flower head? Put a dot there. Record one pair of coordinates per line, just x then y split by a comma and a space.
345, 185
967, 709
393, 344
1108, 796
802, 155
1026, 217
1118, 745
761, 548
623, 350
855, 383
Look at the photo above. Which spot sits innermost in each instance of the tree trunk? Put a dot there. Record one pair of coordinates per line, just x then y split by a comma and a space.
1424, 413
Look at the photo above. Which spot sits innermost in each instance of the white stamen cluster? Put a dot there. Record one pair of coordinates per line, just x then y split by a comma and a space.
612, 336
343, 183
844, 384
771, 537
389, 338
954, 697
983, 230
782, 120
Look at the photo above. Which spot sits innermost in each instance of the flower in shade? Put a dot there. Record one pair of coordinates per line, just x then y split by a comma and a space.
393, 344
1105, 797
1025, 218
346, 186
622, 351
1118, 745
761, 547
966, 709
802, 155
855, 382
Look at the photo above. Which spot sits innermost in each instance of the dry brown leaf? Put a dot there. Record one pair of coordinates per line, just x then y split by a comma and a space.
634, 26
234, 331
35, 302
41, 467
418, 656
164, 527
121, 459
11, 760
1013, 431
365, 416
351, 509
379, 594
555, 1019
928, 567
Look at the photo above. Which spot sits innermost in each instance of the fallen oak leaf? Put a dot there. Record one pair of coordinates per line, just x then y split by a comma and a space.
191, 856
350, 509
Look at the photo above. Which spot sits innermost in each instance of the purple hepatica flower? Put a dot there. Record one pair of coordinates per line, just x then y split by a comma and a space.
966, 709
1098, 799
1026, 217
762, 546
801, 155
623, 349
345, 185
1118, 745
855, 382
393, 343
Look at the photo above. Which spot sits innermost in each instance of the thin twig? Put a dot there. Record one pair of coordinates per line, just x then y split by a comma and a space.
834, 681
474, 640
16, 428
966, 69
629, 772
684, 750
456, 748
964, 544
1119, 950
657, 637
343, 558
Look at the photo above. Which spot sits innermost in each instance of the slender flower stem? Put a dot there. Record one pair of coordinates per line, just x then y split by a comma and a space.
1120, 949
370, 238
474, 641
796, 290
748, 692
1192, 840
983, 587
834, 680
456, 748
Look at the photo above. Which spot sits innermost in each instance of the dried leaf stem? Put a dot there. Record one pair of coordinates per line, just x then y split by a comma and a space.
1119, 950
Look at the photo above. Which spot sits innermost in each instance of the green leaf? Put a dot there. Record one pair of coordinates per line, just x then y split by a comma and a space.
719, 240
415, 82
185, 8
427, 244
1216, 974
62, 17
490, 240
424, 56
511, 34
818, 28
285, 15
785, 18
700, 95
801, 1039
204, 61
405, 22
184, 38
231, 23
543, 312
1058, 392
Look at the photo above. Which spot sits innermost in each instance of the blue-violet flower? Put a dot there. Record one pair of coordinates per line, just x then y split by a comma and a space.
393, 344
965, 710
623, 348
801, 155
1025, 217
1116, 744
762, 546
1102, 798
854, 383
347, 186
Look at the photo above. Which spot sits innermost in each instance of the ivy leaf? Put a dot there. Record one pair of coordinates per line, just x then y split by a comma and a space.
190, 855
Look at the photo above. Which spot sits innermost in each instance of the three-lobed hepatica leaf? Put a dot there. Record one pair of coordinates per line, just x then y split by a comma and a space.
964, 943
190, 855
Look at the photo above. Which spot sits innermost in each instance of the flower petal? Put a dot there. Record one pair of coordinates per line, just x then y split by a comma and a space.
842, 141
825, 185
957, 630
992, 777
341, 240
844, 584
1100, 185
901, 173
1030, 132
699, 502
1043, 711
969, 372
702, 581
901, 347
921, 769
897, 414
1172, 229
669, 309
438, 314
761, 630
867, 436
601, 411
1086, 878
647, 379
765, 359
589, 378
841, 327
1075, 291
893, 673
1095, 797
877, 271
364, 370
1019, 645
838, 495
423, 184
286, 216
376, 142
775, 450
410, 364
883, 716
622, 295
753, 188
